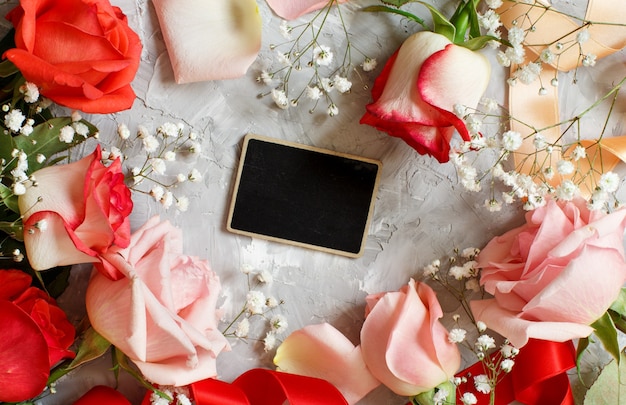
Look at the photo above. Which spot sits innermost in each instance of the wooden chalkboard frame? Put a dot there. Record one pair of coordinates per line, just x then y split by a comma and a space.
317, 168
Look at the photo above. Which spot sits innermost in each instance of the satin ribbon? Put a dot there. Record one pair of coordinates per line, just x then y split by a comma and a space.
537, 378
264, 387
531, 111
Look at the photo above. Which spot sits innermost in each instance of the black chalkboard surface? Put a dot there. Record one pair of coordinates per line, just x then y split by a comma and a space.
303, 195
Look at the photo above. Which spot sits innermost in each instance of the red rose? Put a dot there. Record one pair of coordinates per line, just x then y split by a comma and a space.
75, 213
35, 335
415, 94
81, 53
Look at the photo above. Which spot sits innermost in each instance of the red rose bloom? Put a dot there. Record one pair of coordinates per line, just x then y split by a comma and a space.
80, 53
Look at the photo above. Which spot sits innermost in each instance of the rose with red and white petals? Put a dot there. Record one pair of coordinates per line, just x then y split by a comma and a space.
415, 95
74, 213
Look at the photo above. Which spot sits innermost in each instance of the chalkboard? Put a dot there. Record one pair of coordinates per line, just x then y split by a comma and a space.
303, 195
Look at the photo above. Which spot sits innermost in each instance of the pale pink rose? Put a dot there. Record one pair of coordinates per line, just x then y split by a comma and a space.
553, 276
292, 9
403, 343
75, 213
321, 351
162, 314
415, 95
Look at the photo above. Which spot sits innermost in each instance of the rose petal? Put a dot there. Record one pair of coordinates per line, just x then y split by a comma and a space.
322, 351
24, 367
292, 9
518, 330
14, 283
209, 39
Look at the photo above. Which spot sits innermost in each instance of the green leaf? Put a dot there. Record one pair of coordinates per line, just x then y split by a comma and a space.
583, 344
92, 346
619, 305
403, 13
122, 361
442, 25
610, 386
7, 68
477, 43
8, 198
607, 333
14, 229
396, 3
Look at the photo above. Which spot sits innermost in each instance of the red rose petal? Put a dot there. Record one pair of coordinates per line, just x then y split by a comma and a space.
24, 367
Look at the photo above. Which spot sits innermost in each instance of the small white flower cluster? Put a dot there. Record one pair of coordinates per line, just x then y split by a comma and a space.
259, 305
309, 58
462, 267
15, 121
178, 395
77, 127
159, 151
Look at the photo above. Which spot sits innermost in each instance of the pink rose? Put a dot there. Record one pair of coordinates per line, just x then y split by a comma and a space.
75, 212
403, 343
553, 276
416, 93
292, 9
162, 314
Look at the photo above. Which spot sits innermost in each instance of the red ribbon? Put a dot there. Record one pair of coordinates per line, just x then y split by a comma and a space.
264, 387
537, 378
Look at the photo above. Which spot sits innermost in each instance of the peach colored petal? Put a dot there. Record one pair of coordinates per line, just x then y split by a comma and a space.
292, 9
209, 39
322, 351
518, 330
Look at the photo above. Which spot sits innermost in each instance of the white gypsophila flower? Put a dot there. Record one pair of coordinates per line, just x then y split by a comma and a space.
183, 400
313, 92
469, 399
195, 148
40, 158
157, 192
19, 188
457, 335
481, 382
472, 285
458, 272
490, 21
322, 55
507, 365
342, 84
503, 59
508, 198
516, 35
13, 120
181, 178
609, 182
369, 64
509, 351
266, 77
182, 203
528, 73
30, 92
81, 129
589, 60
150, 143
285, 29
459, 110
27, 129
194, 175
440, 397
548, 173
158, 165
265, 277
169, 156
255, 302
493, 205
494, 3
243, 328
583, 36
66, 134
515, 54
511, 140
271, 302
326, 84
567, 190
481, 326
155, 399
278, 323
167, 200
430, 270
598, 200
332, 110
470, 253
540, 141
142, 131
547, 56
578, 153
115, 153
169, 129
76, 116
123, 132
491, 104
283, 58
269, 342
280, 99
565, 167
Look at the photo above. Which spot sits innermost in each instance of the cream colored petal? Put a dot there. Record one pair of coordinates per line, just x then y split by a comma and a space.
209, 39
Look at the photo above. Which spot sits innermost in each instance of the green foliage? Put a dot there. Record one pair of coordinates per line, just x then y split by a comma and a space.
609, 388
92, 346
606, 332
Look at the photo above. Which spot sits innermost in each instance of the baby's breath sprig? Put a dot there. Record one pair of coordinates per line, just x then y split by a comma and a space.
304, 54
260, 306
158, 151
459, 276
